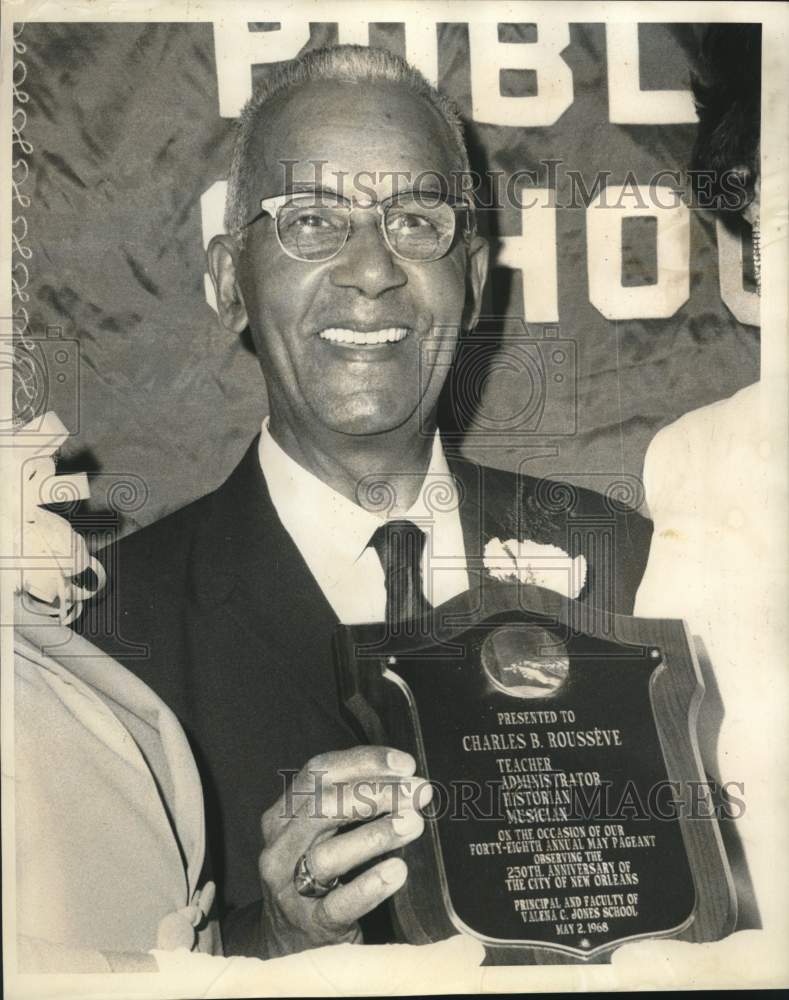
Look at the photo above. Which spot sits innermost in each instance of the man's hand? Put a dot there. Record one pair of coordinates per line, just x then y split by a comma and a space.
333, 790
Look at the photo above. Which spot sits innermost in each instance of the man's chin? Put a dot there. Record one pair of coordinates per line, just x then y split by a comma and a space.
369, 424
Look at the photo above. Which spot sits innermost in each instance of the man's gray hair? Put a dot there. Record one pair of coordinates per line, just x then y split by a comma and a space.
347, 63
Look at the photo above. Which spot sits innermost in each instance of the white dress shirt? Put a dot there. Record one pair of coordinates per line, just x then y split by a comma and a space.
332, 533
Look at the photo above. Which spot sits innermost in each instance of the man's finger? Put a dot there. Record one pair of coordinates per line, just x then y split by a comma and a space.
337, 807
321, 773
346, 851
347, 903
357, 762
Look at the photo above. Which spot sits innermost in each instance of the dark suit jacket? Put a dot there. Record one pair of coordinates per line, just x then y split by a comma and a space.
214, 608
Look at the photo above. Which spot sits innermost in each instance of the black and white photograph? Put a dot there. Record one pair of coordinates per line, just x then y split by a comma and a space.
395, 503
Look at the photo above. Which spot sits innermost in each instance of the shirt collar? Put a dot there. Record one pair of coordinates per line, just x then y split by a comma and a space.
322, 521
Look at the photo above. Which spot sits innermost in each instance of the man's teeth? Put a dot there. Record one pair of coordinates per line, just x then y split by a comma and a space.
341, 335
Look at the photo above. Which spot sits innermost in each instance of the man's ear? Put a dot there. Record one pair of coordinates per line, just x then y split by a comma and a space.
478, 254
222, 257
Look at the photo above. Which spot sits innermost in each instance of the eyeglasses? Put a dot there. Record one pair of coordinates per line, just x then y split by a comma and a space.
315, 225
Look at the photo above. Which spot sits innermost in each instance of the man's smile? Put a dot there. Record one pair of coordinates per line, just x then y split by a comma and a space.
356, 337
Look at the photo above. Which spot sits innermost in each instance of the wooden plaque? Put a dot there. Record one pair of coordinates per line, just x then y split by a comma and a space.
570, 811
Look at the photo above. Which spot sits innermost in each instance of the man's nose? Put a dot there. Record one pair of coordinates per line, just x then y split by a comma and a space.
366, 263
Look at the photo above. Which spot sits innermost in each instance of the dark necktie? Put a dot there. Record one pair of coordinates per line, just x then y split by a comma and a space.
399, 545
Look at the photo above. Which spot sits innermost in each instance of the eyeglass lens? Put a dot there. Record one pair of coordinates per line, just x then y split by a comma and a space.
313, 228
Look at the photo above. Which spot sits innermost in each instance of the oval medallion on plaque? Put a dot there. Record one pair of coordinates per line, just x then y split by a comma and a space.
525, 662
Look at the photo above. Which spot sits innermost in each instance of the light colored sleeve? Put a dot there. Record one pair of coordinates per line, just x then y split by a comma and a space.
335, 970
718, 498
666, 474
36, 956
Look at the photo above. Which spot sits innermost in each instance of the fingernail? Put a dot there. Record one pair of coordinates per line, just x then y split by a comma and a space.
423, 795
393, 872
406, 823
400, 763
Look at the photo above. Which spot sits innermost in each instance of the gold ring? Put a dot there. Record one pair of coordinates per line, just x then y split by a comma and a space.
307, 885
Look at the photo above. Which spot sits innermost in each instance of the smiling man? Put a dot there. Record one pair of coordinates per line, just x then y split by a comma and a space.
354, 260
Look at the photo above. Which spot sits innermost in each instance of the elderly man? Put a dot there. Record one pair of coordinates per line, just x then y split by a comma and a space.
355, 294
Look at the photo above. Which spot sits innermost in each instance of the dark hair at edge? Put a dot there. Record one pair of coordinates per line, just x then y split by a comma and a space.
726, 84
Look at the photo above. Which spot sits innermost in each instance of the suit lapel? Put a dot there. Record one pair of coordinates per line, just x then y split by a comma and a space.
247, 562
505, 505
479, 515
482, 509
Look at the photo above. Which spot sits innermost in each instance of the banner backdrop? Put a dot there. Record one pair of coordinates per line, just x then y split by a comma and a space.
608, 318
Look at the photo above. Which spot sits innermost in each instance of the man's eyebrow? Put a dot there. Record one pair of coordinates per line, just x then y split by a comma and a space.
420, 189
306, 188
427, 190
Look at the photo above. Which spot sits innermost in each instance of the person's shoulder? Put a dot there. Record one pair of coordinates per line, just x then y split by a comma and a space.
156, 557
693, 455
700, 428
177, 531
604, 528
148, 582
555, 497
